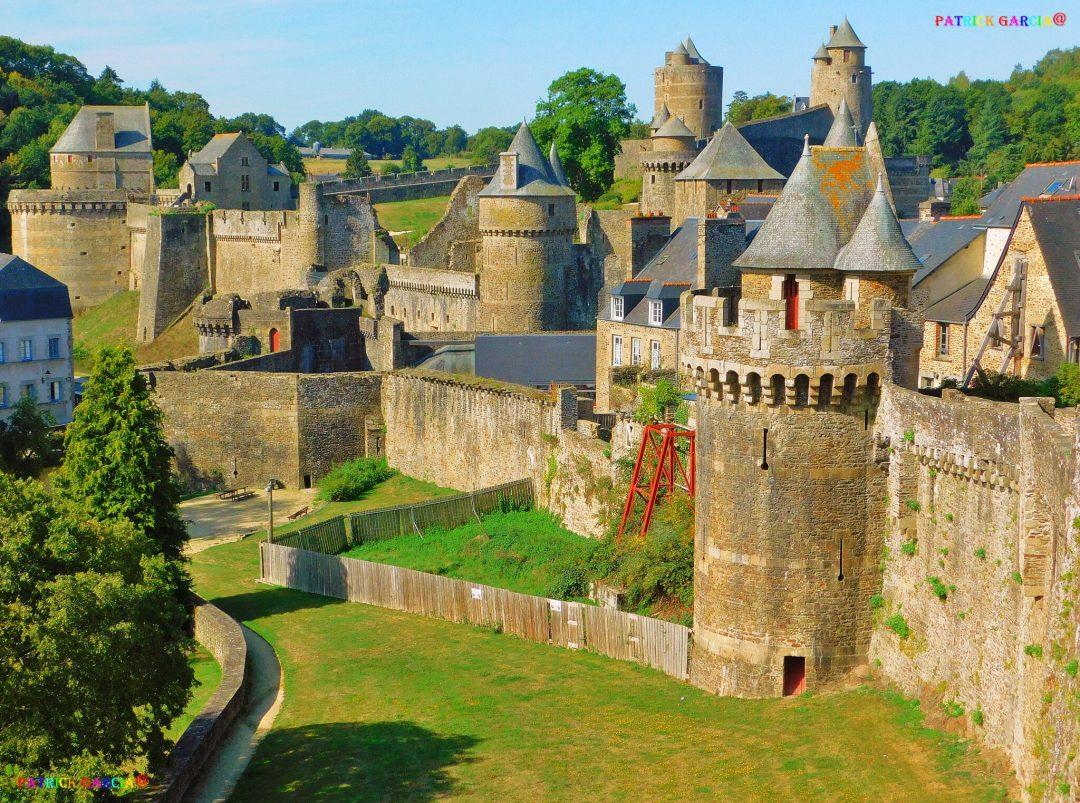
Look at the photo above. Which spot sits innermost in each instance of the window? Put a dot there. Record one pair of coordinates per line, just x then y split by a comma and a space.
652, 178
791, 297
206, 186
851, 289
277, 186
30, 389
847, 56
1073, 355
3, 352
26, 350
54, 348
701, 103
616, 350
635, 351
244, 161
855, 78
617, 306
69, 158
551, 210
760, 185
943, 339
246, 206
656, 313
55, 391
245, 183
1037, 334
89, 160
3, 396
729, 186
997, 335
654, 362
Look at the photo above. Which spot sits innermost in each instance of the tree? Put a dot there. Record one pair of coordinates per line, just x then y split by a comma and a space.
487, 143
410, 161
585, 114
108, 88
166, 169
988, 132
381, 136
117, 462
965, 196
454, 140
92, 639
26, 442
357, 165
743, 108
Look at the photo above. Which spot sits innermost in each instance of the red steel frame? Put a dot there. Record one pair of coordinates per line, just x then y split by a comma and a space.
657, 453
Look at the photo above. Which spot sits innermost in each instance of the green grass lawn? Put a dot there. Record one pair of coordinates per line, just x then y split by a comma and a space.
524, 551
415, 217
113, 323
207, 679
382, 705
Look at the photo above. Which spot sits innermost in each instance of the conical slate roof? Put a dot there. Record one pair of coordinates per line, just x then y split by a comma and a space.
845, 37
822, 54
535, 175
660, 118
556, 166
674, 128
728, 155
878, 245
842, 133
680, 49
692, 51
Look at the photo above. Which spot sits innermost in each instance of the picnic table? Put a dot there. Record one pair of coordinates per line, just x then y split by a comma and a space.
236, 494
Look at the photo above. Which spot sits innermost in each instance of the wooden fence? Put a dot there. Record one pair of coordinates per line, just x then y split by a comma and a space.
337, 534
653, 642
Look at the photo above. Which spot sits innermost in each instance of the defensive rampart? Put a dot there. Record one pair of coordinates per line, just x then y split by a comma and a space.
406, 186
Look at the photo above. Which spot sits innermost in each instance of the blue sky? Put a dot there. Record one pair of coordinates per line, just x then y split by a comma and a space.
483, 62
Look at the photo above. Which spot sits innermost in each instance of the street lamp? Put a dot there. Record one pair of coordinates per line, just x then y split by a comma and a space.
270, 509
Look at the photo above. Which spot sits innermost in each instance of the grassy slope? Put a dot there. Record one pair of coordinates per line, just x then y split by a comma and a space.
524, 551
414, 217
113, 323
207, 679
381, 705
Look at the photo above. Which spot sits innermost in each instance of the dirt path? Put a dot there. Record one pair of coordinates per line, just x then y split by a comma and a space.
265, 692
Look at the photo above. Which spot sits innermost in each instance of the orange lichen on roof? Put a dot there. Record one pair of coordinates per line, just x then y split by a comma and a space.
628, 281
1042, 199
958, 217
840, 181
1052, 164
675, 284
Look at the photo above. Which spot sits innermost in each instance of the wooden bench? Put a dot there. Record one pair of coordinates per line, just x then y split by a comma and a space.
236, 494
298, 513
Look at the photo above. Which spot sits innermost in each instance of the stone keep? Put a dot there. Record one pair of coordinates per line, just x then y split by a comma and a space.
786, 552
839, 72
672, 149
691, 89
528, 218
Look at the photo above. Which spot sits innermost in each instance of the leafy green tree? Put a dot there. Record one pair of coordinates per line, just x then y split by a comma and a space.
356, 166
117, 463
26, 442
92, 639
382, 136
166, 169
965, 196
742, 108
410, 161
454, 141
487, 143
585, 114
988, 131
251, 123
278, 150
108, 88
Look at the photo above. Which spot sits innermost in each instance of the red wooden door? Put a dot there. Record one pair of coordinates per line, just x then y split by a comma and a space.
275, 340
794, 675
791, 296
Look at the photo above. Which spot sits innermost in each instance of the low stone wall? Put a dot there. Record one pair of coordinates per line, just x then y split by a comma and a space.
224, 638
980, 562
405, 186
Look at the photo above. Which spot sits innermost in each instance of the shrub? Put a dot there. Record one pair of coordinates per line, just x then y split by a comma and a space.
877, 601
953, 709
913, 505
1017, 578
980, 553
939, 588
898, 624
948, 517
1068, 382
350, 481
977, 716
1034, 650
909, 435
909, 547
1071, 668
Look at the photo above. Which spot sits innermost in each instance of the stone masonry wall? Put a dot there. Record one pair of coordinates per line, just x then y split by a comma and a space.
981, 503
177, 244
459, 223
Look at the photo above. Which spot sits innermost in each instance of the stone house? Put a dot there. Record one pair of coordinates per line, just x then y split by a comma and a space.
1024, 318
230, 173
105, 148
35, 339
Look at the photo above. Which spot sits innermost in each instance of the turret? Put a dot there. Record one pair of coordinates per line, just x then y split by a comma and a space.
839, 72
671, 151
690, 88
528, 217
787, 383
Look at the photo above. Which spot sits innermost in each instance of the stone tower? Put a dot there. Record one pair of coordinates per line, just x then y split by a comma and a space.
691, 88
840, 72
789, 524
671, 151
528, 218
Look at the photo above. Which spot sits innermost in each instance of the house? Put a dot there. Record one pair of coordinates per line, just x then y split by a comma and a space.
105, 148
35, 339
230, 173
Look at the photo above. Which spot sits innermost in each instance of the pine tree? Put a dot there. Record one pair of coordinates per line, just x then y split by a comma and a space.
26, 445
357, 165
410, 160
988, 132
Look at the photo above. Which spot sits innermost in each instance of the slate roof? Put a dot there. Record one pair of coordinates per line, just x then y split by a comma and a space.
130, 123
842, 132
29, 294
728, 155
674, 127
817, 212
692, 51
1033, 182
935, 241
822, 53
779, 140
537, 360
535, 175
213, 150
845, 37
755, 208
556, 165
1057, 228
660, 118
878, 245
960, 305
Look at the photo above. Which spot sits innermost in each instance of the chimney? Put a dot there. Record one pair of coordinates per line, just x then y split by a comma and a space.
648, 235
508, 170
720, 241
104, 132
832, 30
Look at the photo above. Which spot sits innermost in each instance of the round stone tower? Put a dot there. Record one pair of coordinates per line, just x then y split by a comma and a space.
789, 521
672, 151
691, 88
528, 218
840, 72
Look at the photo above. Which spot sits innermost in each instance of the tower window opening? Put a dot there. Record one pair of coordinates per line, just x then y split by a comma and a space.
855, 78
840, 562
764, 448
760, 185
700, 103
847, 56
729, 186
791, 297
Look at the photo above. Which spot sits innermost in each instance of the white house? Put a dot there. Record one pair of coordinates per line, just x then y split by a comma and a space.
35, 339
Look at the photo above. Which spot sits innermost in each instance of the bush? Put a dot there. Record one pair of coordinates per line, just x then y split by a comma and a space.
877, 601
913, 505
1071, 668
980, 553
1068, 381
977, 716
1034, 650
953, 709
898, 624
940, 590
909, 547
350, 481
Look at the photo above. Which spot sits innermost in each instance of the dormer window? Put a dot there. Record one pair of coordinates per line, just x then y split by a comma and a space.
656, 313
244, 161
617, 307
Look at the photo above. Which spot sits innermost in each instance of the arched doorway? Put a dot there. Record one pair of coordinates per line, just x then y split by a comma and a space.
275, 340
